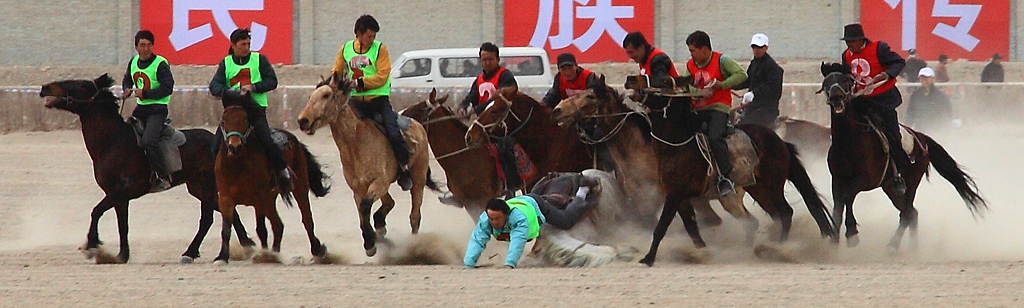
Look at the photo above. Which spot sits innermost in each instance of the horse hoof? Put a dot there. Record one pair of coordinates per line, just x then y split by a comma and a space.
187, 260
89, 252
648, 260
852, 241
372, 251
220, 262
381, 232
892, 250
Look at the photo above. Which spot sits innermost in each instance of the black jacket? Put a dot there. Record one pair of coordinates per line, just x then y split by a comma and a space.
553, 97
993, 72
914, 66
163, 75
505, 80
930, 111
764, 78
219, 83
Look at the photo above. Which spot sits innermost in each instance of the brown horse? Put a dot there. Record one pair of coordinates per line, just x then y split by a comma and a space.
470, 170
517, 115
367, 160
682, 167
859, 161
811, 139
120, 165
243, 176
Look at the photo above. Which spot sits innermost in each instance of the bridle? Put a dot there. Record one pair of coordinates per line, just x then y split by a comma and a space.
500, 123
431, 108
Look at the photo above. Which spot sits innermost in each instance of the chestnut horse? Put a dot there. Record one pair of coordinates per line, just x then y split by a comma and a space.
367, 160
120, 165
470, 170
859, 161
683, 168
244, 177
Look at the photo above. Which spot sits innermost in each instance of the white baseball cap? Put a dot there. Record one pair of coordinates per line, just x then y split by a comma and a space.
926, 72
759, 40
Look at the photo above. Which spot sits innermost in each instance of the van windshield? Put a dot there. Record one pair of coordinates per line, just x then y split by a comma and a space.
415, 68
470, 66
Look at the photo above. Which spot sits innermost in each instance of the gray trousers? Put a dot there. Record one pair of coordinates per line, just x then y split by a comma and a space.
561, 218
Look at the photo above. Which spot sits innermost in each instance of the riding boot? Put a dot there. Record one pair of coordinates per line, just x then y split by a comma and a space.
153, 117
891, 130
262, 131
716, 131
397, 141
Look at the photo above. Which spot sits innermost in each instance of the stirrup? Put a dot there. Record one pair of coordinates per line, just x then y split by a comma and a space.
726, 187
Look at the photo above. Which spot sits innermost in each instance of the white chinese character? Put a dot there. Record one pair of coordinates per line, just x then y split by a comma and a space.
182, 37
959, 34
602, 12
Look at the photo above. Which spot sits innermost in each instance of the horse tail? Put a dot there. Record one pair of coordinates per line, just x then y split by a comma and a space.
431, 183
319, 182
798, 175
954, 173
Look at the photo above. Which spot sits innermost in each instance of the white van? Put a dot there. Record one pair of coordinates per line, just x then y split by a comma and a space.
458, 67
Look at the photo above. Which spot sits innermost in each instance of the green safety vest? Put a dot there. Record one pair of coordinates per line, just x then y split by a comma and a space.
145, 79
527, 209
252, 69
367, 63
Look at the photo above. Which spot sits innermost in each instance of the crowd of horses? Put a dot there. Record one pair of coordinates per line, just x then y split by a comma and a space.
660, 169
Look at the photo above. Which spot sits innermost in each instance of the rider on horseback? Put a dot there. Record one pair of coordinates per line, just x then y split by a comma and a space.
714, 74
873, 64
149, 78
493, 78
369, 64
251, 72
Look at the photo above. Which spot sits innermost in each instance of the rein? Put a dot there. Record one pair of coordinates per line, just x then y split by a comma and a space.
445, 118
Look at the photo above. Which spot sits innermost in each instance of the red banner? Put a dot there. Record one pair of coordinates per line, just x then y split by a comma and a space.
198, 31
590, 29
966, 29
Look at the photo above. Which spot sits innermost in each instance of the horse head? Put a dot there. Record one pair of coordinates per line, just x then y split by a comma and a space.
586, 108
326, 102
492, 120
837, 85
234, 120
79, 95
428, 109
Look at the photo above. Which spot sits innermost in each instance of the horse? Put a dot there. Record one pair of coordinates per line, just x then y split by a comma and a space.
550, 147
858, 160
470, 170
811, 139
120, 165
682, 167
367, 160
244, 177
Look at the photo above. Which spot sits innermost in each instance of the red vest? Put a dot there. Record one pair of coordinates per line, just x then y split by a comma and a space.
484, 87
568, 88
645, 68
864, 65
703, 77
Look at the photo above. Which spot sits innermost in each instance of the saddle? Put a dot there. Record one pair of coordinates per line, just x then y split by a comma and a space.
404, 123
509, 159
908, 139
744, 161
170, 140
557, 188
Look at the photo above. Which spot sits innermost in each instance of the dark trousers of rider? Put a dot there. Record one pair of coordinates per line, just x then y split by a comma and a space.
555, 216
884, 105
716, 122
260, 128
382, 105
152, 118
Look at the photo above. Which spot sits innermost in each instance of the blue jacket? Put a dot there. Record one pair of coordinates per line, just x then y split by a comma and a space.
516, 229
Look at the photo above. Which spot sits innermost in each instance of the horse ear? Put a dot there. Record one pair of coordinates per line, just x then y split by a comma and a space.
433, 95
824, 69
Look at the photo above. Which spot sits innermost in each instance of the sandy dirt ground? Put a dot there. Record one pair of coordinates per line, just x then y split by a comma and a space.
47, 192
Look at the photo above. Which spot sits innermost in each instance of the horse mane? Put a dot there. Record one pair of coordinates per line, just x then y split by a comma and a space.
831, 67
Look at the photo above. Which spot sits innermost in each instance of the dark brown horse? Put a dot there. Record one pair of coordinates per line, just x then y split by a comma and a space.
244, 177
517, 115
470, 170
120, 165
683, 168
859, 162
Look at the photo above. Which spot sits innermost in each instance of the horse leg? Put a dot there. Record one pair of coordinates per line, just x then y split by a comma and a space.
417, 201
772, 199
908, 217
121, 209
205, 221
705, 215
93, 237
369, 236
261, 226
685, 210
380, 216
843, 198
227, 213
275, 223
668, 212
315, 247
734, 205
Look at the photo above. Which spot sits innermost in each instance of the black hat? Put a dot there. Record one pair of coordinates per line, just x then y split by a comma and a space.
853, 32
997, 56
566, 59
